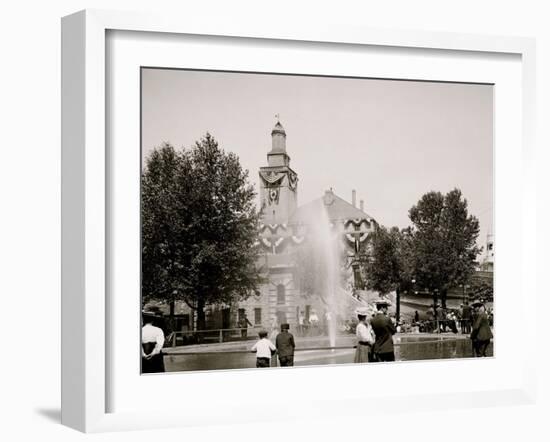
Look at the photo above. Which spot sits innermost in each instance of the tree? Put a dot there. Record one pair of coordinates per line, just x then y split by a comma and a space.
199, 227
481, 288
444, 239
388, 266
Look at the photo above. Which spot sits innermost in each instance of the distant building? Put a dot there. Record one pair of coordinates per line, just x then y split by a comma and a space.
487, 264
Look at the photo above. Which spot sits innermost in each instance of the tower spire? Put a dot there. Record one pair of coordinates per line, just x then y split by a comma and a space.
278, 137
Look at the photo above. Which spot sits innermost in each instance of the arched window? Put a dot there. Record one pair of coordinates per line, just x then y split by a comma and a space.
281, 299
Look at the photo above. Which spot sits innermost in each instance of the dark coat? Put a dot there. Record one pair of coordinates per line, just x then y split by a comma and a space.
481, 330
383, 330
466, 312
285, 344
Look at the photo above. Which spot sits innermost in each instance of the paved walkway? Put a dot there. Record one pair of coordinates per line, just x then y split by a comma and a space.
311, 342
237, 355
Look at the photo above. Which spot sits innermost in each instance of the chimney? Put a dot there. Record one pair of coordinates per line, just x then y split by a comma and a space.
362, 205
353, 197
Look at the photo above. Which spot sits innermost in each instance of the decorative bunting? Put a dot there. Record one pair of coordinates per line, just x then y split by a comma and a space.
271, 177
292, 180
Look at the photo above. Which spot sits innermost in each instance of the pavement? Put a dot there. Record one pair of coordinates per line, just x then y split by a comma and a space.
237, 355
310, 342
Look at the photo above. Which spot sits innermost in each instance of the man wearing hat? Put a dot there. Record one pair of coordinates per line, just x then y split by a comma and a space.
481, 331
383, 330
365, 337
466, 319
284, 342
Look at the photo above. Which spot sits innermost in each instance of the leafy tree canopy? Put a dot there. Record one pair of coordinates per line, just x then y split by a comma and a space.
444, 239
199, 227
388, 267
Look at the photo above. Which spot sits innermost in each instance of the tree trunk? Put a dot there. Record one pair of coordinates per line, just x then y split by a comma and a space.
201, 318
444, 298
172, 308
397, 305
171, 320
435, 298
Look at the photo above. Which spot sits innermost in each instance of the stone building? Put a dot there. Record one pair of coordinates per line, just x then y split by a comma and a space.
488, 261
284, 229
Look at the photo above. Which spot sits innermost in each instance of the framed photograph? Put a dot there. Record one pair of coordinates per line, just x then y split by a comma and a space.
256, 209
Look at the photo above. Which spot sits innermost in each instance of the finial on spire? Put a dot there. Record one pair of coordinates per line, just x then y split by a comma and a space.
278, 118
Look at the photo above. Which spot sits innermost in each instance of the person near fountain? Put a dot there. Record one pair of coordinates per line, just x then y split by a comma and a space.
264, 349
383, 330
481, 331
285, 346
466, 319
301, 321
244, 322
274, 327
314, 323
365, 338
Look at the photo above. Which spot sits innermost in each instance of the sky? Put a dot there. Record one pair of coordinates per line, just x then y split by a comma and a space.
390, 140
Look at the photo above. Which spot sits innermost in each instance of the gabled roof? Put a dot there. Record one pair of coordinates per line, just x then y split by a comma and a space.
337, 208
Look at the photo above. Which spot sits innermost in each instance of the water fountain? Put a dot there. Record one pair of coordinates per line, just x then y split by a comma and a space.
327, 261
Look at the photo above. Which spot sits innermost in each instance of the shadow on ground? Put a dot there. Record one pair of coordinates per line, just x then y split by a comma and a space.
51, 414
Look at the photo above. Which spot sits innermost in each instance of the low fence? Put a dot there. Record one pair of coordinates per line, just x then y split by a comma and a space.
193, 337
316, 348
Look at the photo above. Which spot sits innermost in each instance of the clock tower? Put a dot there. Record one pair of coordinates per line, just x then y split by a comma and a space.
278, 182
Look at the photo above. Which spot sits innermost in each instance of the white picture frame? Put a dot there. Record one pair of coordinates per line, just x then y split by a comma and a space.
86, 206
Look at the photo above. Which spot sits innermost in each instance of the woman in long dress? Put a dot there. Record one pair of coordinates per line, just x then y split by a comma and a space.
365, 337
152, 341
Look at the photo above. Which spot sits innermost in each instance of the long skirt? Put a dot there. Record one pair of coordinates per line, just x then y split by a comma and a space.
362, 353
153, 365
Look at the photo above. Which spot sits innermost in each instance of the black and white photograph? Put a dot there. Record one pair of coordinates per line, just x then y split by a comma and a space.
294, 220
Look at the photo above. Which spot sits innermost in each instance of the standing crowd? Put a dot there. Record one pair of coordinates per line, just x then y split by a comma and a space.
374, 334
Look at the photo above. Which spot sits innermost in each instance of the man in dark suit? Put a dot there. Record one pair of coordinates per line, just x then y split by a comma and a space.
383, 330
466, 319
481, 331
285, 346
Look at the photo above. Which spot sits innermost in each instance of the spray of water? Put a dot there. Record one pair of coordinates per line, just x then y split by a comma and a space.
326, 265
327, 253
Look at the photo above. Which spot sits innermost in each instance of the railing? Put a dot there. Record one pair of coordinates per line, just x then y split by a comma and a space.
193, 337
438, 326
218, 335
463, 326
301, 349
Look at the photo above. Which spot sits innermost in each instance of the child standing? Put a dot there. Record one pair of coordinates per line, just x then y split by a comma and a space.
264, 349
